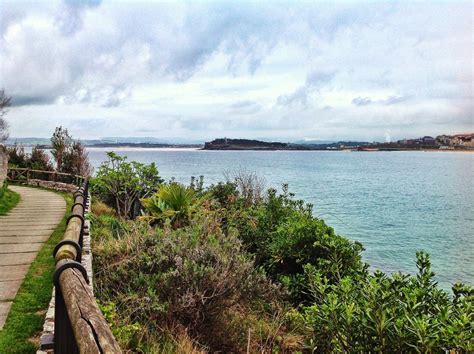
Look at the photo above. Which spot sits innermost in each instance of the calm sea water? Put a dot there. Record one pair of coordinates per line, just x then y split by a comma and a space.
395, 203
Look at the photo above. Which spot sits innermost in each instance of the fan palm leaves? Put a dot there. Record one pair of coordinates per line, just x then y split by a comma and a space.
173, 201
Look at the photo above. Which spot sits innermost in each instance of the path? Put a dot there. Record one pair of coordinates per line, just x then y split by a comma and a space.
22, 233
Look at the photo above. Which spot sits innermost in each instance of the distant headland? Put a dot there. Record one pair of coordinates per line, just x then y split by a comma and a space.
247, 144
441, 142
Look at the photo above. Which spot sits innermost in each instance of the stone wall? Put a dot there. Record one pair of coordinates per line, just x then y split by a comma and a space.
3, 165
58, 186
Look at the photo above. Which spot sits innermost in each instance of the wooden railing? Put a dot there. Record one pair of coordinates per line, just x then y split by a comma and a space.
21, 174
79, 325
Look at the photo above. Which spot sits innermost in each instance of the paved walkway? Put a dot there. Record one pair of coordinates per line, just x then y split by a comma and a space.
22, 233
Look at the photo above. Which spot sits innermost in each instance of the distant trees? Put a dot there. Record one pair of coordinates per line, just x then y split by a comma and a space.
70, 155
60, 143
4, 103
39, 160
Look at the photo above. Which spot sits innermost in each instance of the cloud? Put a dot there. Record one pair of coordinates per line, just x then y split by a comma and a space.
69, 19
18, 101
314, 81
395, 100
199, 69
361, 101
391, 100
245, 107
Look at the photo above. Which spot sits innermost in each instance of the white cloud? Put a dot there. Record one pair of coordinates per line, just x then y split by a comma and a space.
238, 69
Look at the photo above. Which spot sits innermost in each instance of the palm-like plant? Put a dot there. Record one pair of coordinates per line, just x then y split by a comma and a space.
173, 201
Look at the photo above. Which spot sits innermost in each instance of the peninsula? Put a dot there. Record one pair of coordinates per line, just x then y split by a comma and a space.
441, 142
247, 144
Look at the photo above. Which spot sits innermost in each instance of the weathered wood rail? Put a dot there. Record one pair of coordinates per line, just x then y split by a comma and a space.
79, 325
21, 174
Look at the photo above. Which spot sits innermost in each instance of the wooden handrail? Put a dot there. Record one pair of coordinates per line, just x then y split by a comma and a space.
44, 171
26, 172
79, 326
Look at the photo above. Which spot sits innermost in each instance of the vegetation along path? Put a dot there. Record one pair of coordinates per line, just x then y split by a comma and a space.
22, 233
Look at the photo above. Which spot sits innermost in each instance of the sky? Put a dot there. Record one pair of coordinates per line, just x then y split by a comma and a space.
282, 70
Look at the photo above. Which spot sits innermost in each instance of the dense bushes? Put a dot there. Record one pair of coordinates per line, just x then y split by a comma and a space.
120, 183
263, 273
68, 154
194, 279
284, 236
397, 313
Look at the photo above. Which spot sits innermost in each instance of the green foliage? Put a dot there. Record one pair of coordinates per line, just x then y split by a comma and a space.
126, 334
70, 155
398, 313
284, 236
120, 183
172, 201
231, 271
8, 199
197, 185
61, 142
39, 160
187, 277
17, 156
224, 193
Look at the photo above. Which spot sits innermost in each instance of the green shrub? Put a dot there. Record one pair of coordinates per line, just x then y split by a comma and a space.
188, 277
284, 236
224, 193
8, 199
172, 201
17, 156
397, 313
218, 275
121, 184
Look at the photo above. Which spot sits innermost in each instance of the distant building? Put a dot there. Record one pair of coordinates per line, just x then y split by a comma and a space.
464, 140
444, 140
428, 140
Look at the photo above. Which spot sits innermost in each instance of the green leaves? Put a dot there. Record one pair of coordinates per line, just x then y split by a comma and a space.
120, 183
389, 313
173, 201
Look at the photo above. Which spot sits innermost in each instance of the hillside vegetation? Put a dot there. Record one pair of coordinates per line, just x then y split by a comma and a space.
235, 267
8, 199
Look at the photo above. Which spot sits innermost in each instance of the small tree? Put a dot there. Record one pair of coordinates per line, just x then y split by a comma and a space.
76, 160
61, 143
39, 160
17, 156
70, 155
4, 103
121, 184
250, 185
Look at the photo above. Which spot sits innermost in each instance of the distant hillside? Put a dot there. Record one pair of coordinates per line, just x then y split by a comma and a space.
314, 142
112, 142
243, 144
247, 144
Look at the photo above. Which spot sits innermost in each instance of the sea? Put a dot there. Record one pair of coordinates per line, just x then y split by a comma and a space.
394, 203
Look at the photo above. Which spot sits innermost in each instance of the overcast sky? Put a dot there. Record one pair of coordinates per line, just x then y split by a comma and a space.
283, 70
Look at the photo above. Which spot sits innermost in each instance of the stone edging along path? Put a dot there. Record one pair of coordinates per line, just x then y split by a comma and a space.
22, 233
